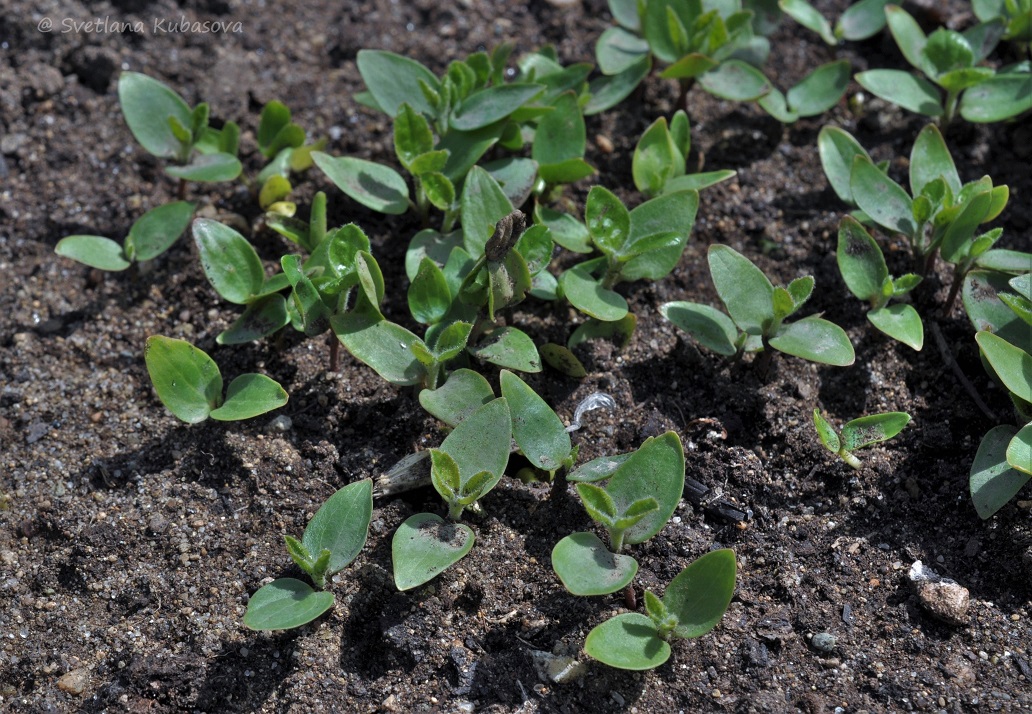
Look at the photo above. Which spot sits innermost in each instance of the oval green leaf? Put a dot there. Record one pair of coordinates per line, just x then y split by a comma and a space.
860, 260
913, 93
586, 567
507, 347
463, 393
374, 185
817, 340
992, 481
424, 546
881, 198
628, 641
900, 322
1019, 450
735, 80
492, 104
146, 105
208, 168
872, 429
837, 148
1012, 364
713, 329
157, 229
261, 318
95, 251
284, 604
743, 288
231, 264
248, 396
655, 470
586, 293
538, 431
187, 381
481, 442
394, 80
700, 593
341, 525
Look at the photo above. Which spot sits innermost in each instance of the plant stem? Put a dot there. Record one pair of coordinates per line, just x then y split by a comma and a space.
182, 189
455, 511
616, 540
849, 458
334, 352
958, 280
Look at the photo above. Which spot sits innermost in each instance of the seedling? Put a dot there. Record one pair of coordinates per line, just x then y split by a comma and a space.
1003, 463
645, 243
331, 541
642, 490
693, 604
468, 464
950, 62
938, 215
858, 433
150, 236
815, 93
168, 128
860, 21
1016, 16
757, 312
659, 159
189, 384
863, 268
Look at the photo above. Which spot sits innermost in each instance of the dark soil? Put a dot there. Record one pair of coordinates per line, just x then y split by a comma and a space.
129, 543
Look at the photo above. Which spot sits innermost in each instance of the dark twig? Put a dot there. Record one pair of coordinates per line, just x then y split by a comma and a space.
947, 357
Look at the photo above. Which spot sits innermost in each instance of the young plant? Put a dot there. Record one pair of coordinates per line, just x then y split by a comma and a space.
938, 215
168, 128
331, 541
951, 62
757, 313
150, 236
814, 94
642, 490
693, 604
659, 159
645, 243
863, 268
189, 384
1016, 16
860, 21
858, 433
467, 465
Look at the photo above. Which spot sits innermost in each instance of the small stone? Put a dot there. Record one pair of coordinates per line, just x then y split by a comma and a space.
560, 669
390, 703
605, 144
824, 642
945, 600
74, 682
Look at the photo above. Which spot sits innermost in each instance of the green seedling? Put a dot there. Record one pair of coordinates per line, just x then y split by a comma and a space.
938, 215
757, 312
189, 384
150, 236
699, 42
858, 433
1016, 16
468, 464
168, 128
645, 243
860, 21
1003, 464
659, 159
815, 93
953, 77
641, 492
863, 268
693, 604
331, 541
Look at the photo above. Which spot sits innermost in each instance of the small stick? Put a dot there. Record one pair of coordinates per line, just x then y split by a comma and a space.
947, 357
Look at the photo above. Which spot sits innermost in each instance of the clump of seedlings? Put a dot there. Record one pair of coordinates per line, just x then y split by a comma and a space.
331, 541
658, 165
858, 433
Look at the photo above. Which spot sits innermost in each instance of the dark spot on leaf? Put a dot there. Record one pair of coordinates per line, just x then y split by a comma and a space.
855, 248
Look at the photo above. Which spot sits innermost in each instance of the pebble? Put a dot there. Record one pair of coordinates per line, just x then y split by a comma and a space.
560, 669
945, 600
74, 682
824, 642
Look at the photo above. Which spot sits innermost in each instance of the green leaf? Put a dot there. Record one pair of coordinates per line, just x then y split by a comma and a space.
826, 432
860, 260
562, 359
617, 50
1019, 450
412, 135
466, 147
1006, 95
274, 117
492, 104
538, 431
872, 429
450, 341
837, 148
745, 291
250, 395
424, 546
900, 322
929, 160
862, 20
598, 503
657, 159
187, 381
380, 344
285, 604
483, 205
629, 641
655, 470
820, 90
986, 311
1006, 261
956, 241
913, 93
691, 66
208, 168
444, 473
944, 51
608, 221
560, 135
565, 230
463, 393
586, 293
231, 264
735, 80
1012, 364
598, 469
608, 91
700, 593
374, 185
429, 243
157, 229
622, 330
713, 329
881, 198
516, 176
394, 80
95, 251
507, 347
817, 340
481, 442
428, 295
586, 567
806, 15
341, 525
992, 481
146, 105
299, 554
671, 212
262, 317
907, 33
